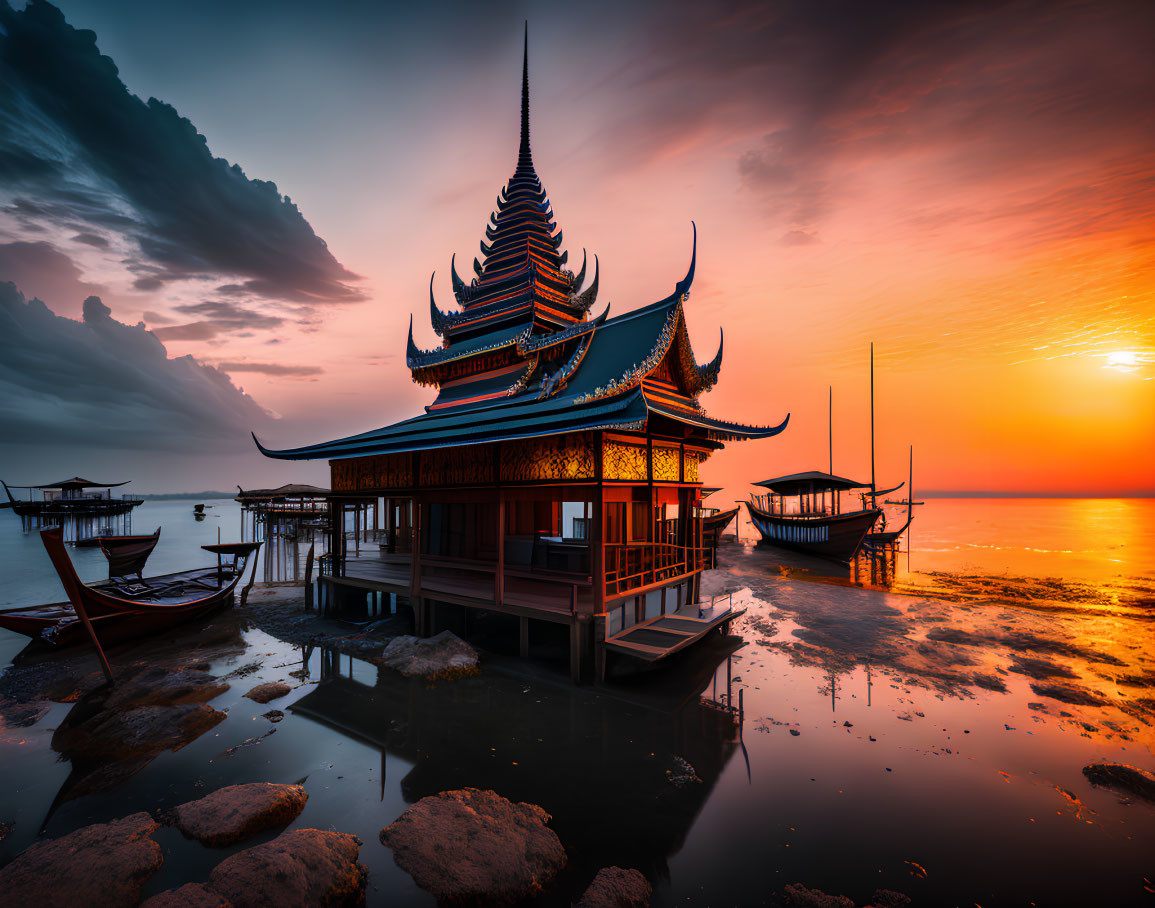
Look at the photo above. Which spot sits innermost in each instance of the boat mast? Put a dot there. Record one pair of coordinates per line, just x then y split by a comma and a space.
873, 487
909, 504
910, 486
830, 428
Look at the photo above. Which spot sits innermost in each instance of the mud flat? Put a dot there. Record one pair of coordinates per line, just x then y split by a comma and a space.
935, 746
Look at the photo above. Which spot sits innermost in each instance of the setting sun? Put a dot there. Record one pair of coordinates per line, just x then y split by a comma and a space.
1123, 361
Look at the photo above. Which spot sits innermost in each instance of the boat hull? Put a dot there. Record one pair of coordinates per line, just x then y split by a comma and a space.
713, 525
836, 536
118, 611
57, 624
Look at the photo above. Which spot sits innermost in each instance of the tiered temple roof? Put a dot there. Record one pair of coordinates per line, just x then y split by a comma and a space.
522, 358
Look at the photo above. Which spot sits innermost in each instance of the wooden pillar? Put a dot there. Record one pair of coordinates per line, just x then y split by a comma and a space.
598, 552
598, 542
575, 650
652, 531
499, 574
599, 649
419, 605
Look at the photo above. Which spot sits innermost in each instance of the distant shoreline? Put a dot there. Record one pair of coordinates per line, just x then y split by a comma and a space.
947, 493
937, 493
189, 496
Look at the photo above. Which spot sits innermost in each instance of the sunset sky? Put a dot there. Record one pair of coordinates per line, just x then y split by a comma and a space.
969, 185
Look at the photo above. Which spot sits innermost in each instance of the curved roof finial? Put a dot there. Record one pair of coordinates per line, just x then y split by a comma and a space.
441, 321
682, 288
524, 157
708, 373
412, 351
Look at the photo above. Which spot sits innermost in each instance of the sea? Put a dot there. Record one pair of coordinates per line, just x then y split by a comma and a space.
927, 738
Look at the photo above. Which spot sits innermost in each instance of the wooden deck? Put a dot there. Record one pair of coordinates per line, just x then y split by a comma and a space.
549, 596
665, 635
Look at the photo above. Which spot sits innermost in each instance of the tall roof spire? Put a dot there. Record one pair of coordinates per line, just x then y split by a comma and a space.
524, 157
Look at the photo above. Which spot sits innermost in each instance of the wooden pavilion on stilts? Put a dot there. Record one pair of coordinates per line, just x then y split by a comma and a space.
555, 478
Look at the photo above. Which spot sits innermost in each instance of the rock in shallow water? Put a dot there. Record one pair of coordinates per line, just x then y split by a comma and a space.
190, 895
615, 887
298, 869
1120, 776
443, 655
236, 812
476, 847
1069, 693
103, 864
888, 898
798, 895
271, 690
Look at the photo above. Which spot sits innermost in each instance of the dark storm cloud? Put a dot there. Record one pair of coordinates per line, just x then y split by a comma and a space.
994, 88
280, 369
44, 270
91, 239
213, 318
77, 147
100, 383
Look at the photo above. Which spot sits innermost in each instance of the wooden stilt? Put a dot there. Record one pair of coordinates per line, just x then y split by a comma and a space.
599, 649
575, 651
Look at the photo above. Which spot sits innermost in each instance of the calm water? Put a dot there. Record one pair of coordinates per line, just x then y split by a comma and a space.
904, 773
1077, 538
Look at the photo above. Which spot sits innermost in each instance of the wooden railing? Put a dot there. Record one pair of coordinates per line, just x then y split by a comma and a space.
635, 565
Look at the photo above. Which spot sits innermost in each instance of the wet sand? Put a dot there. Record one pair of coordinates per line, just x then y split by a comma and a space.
927, 744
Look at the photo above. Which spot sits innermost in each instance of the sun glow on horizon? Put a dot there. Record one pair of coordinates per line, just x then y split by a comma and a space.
1127, 360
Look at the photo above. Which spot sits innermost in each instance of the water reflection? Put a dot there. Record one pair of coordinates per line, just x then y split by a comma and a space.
623, 774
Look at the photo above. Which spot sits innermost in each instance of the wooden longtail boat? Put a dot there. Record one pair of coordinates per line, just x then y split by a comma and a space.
818, 525
714, 524
120, 610
127, 554
814, 526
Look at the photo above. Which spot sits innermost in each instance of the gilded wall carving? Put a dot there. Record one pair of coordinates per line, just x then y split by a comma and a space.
621, 461
383, 471
457, 466
666, 465
693, 459
555, 457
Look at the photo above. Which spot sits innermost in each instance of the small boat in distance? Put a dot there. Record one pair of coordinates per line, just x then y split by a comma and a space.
120, 609
803, 512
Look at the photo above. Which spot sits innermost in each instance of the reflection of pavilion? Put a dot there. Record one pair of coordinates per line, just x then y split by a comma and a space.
600, 764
